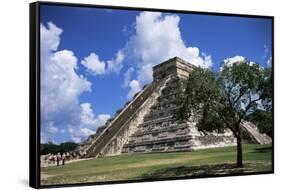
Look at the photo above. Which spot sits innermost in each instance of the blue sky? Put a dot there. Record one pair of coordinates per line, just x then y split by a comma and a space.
109, 55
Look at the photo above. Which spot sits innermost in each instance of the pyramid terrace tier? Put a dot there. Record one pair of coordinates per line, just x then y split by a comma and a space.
168, 97
159, 145
181, 129
169, 90
162, 106
170, 120
162, 113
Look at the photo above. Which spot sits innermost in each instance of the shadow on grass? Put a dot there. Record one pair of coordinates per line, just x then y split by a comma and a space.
203, 170
263, 150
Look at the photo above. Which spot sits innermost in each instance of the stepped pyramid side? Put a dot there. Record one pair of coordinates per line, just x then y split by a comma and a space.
148, 122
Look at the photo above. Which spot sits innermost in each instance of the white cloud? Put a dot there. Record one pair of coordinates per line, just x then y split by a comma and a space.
127, 77
61, 88
93, 64
51, 36
88, 118
265, 52
80, 134
134, 88
101, 120
231, 60
269, 61
60, 85
158, 38
86, 115
267, 55
228, 62
207, 60
43, 138
51, 128
88, 123
115, 65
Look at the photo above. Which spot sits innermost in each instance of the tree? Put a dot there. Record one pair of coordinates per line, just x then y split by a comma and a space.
68, 146
222, 100
54, 148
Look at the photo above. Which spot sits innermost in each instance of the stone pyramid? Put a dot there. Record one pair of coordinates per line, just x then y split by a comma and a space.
148, 124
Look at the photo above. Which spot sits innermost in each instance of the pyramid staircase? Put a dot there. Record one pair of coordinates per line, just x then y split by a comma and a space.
253, 135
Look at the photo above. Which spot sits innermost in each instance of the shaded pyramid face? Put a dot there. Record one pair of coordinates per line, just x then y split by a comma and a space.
148, 123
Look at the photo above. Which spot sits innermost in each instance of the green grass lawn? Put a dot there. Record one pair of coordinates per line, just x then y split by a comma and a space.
215, 161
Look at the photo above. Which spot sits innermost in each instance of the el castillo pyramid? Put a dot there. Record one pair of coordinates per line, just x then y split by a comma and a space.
148, 124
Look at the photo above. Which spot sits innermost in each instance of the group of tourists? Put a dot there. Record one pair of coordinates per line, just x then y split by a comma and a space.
58, 158
61, 158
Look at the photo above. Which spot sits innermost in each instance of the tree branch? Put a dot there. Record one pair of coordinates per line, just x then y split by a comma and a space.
238, 98
248, 107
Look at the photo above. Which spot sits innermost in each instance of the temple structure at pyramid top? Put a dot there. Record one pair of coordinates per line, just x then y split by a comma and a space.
174, 66
148, 124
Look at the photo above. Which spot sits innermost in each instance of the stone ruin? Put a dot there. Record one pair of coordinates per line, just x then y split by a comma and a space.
148, 124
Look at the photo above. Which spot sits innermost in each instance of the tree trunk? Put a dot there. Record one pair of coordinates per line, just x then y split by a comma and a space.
239, 150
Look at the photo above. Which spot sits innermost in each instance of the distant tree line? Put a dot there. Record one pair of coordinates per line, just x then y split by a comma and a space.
55, 148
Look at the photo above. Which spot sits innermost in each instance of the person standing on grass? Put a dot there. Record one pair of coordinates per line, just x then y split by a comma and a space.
58, 158
55, 158
63, 157
67, 155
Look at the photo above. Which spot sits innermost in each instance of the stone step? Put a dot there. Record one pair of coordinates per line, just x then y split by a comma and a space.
253, 131
166, 129
157, 120
142, 150
158, 149
164, 103
182, 147
161, 113
165, 148
160, 141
